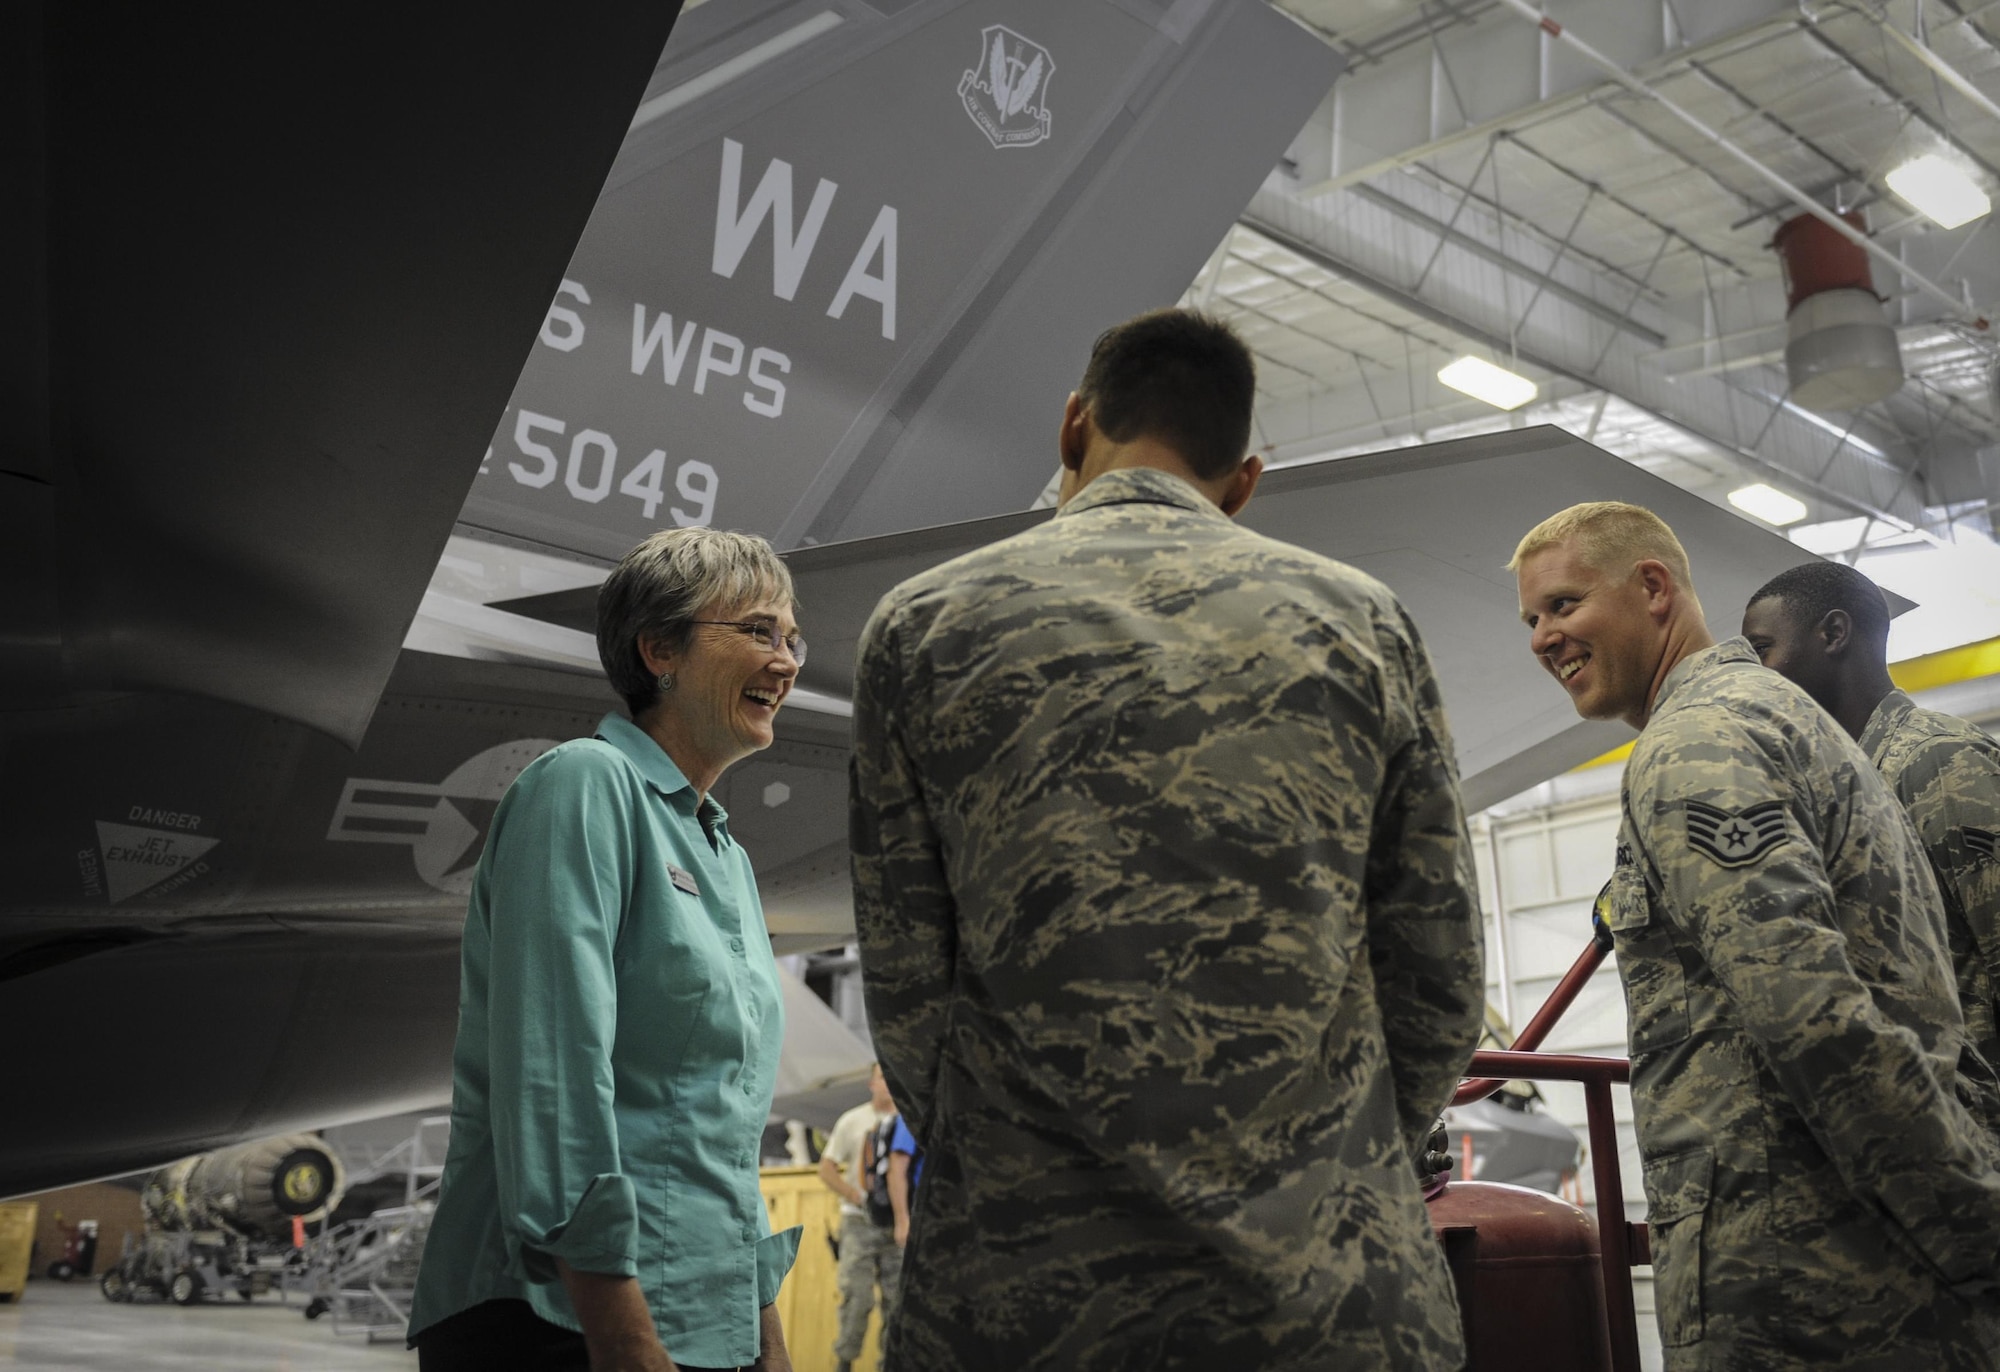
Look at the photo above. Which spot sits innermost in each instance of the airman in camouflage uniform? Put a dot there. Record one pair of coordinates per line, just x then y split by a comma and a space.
1825, 627
1946, 772
1170, 936
1818, 1196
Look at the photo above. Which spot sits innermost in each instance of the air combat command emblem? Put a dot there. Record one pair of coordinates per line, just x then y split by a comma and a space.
1006, 91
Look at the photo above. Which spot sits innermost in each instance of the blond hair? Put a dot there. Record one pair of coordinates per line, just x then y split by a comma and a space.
1612, 536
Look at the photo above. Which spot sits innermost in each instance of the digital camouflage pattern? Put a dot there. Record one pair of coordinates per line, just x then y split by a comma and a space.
1946, 771
1819, 1197
1171, 942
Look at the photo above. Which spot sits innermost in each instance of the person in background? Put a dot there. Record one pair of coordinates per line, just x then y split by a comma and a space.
1167, 915
870, 1257
1825, 628
620, 1014
1817, 1195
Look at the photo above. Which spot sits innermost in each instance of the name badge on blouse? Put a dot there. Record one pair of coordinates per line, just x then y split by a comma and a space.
682, 880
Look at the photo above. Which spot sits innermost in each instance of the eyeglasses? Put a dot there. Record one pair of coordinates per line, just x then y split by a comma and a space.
767, 636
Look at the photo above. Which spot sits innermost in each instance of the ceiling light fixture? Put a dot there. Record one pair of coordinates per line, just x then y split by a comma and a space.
1771, 506
1940, 189
1496, 386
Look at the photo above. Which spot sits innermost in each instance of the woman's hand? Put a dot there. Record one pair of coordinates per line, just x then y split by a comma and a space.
772, 1355
617, 1326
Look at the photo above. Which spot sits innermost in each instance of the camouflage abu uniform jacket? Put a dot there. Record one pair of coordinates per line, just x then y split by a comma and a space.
1818, 1196
1946, 772
1171, 942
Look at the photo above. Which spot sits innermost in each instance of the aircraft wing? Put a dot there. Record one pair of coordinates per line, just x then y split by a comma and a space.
837, 282
265, 286
1437, 524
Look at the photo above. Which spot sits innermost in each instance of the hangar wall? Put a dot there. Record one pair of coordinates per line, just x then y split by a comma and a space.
114, 1207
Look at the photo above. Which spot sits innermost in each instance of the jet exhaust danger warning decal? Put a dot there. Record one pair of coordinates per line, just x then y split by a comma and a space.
1006, 91
139, 859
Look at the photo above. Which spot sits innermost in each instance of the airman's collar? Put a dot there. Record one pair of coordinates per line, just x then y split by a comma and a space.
1887, 717
1729, 651
1140, 486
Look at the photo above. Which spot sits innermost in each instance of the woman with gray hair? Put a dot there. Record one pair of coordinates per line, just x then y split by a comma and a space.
620, 1014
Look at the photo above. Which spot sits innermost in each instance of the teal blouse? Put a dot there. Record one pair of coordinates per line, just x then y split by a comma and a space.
618, 1032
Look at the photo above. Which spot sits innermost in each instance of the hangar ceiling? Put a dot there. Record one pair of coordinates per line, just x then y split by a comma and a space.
1477, 183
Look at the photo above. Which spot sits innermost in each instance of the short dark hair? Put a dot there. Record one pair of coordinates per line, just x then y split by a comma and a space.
1815, 589
1181, 378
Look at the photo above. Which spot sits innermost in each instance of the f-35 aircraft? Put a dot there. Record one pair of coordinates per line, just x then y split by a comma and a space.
344, 364
268, 291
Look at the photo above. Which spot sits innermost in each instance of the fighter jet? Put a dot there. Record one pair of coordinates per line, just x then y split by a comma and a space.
308, 327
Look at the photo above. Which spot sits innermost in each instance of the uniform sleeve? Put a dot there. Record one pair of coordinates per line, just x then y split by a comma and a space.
904, 914
1952, 791
1738, 853
558, 880
1424, 936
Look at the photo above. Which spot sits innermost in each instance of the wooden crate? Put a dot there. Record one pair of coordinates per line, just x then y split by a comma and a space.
809, 1304
17, 1242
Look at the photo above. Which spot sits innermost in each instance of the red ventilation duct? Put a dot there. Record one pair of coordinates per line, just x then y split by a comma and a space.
1841, 352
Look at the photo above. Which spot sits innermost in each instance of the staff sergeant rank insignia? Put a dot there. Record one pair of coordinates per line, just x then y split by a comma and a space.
1979, 842
1735, 838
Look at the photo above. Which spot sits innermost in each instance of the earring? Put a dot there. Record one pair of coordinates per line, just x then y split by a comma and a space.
666, 682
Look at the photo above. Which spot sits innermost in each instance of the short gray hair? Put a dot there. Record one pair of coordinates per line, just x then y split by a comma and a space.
663, 584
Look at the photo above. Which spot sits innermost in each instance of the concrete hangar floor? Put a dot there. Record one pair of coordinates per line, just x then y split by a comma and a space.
70, 1326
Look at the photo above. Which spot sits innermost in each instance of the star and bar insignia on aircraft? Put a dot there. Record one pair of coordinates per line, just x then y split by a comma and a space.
1980, 842
443, 823
1735, 838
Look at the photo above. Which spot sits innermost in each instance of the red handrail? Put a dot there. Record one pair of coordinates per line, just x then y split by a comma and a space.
1544, 1020
1515, 1065
1620, 1244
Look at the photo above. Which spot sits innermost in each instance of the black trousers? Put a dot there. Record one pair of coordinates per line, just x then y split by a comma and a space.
506, 1336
